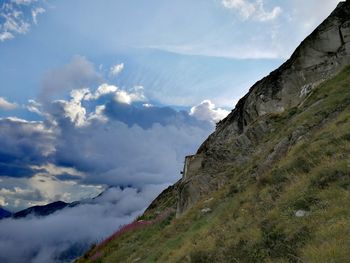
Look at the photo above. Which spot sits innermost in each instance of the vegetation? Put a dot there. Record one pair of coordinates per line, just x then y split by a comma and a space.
296, 210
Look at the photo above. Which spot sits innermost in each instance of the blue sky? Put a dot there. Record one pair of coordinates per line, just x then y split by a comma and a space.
250, 38
115, 93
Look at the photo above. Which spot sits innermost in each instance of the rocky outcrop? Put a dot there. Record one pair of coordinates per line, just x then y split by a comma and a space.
319, 57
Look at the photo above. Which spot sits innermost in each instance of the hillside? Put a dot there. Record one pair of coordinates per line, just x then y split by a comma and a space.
272, 183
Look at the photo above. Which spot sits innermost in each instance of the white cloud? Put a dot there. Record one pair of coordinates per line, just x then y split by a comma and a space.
246, 9
24, 2
6, 36
73, 110
35, 12
206, 111
3, 201
252, 10
122, 96
34, 107
129, 97
5, 105
77, 113
13, 16
105, 89
102, 90
132, 95
53, 169
116, 69
98, 114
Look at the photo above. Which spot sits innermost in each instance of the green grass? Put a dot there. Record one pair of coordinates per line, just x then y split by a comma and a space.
253, 218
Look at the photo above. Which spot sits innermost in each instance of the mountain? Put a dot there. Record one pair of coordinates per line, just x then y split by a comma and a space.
272, 183
4, 213
45, 210
41, 210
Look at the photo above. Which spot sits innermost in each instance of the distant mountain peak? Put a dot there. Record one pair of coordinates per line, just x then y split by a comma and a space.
41, 210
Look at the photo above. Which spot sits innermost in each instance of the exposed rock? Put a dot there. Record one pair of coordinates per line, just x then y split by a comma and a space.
206, 210
301, 213
319, 57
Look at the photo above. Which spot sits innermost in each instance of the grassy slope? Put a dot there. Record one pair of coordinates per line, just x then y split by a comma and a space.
253, 218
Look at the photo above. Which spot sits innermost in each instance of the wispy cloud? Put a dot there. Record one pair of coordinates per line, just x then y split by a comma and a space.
35, 12
17, 16
6, 105
116, 69
254, 10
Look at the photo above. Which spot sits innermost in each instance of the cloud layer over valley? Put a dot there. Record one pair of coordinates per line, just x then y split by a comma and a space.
83, 143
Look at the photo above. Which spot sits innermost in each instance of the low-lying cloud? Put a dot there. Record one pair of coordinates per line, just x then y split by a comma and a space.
66, 234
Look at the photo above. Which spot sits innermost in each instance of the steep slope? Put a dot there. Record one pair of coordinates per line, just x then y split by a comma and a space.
272, 183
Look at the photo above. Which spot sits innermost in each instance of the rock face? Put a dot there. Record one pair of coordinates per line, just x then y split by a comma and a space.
319, 57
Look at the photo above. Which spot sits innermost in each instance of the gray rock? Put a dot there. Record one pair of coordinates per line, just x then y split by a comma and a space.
301, 213
206, 210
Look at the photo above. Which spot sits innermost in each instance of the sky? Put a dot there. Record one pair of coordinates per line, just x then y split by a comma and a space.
115, 93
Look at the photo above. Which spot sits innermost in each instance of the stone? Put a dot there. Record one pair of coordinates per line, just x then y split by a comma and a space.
301, 213
206, 210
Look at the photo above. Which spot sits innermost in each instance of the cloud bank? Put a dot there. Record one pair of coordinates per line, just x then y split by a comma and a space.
66, 234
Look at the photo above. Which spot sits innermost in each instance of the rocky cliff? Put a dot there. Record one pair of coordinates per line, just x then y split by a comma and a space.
320, 56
